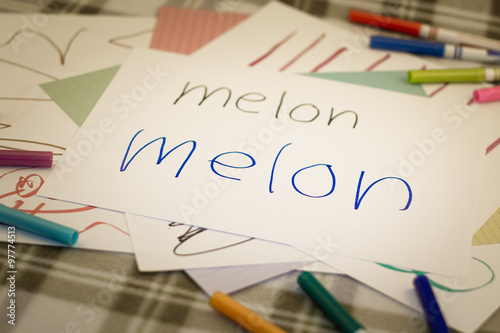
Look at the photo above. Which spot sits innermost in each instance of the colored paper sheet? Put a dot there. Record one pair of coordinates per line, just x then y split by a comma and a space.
185, 30
260, 206
77, 95
489, 233
389, 80
173, 246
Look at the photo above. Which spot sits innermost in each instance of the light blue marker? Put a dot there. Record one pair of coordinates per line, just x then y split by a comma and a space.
434, 49
37, 225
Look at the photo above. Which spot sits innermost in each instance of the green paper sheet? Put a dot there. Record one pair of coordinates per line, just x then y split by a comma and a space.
389, 80
77, 95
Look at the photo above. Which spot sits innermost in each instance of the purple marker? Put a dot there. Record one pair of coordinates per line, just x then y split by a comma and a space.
26, 158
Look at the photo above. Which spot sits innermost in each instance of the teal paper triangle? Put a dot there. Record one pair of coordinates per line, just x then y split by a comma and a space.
389, 80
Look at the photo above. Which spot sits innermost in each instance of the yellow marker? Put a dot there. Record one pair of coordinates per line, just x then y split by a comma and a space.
243, 316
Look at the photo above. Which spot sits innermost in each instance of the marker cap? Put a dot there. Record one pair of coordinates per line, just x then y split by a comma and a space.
406, 45
487, 94
429, 303
447, 75
37, 225
384, 22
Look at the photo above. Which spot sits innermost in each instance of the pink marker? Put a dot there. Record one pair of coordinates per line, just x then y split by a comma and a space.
487, 94
26, 158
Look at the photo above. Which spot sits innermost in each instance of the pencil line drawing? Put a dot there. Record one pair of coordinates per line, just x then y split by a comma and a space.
62, 54
28, 68
114, 41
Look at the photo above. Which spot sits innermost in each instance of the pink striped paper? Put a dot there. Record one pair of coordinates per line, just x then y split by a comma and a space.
184, 30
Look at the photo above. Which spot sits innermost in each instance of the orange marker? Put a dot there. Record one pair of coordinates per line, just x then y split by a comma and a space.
243, 316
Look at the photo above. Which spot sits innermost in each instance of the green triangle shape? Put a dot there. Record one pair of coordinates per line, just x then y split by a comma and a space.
77, 95
388, 80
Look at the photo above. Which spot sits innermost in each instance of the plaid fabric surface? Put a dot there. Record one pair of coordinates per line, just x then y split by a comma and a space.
68, 290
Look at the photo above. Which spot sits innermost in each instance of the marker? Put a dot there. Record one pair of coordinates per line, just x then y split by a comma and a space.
241, 315
328, 304
487, 94
434, 49
422, 30
433, 314
37, 225
454, 75
26, 158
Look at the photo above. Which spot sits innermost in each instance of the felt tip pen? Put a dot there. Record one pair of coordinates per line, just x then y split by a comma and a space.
487, 94
241, 315
454, 75
38, 226
328, 304
430, 305
434, 49
422, 30
26, 158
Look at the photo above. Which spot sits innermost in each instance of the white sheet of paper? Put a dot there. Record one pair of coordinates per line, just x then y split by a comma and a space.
272, 201
232, 279
160, 245
463, 310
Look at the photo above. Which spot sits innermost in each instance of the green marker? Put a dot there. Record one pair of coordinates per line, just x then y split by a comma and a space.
328, 304
454, 75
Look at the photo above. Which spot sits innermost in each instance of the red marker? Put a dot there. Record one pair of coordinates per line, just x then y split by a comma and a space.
26, 158
422, 30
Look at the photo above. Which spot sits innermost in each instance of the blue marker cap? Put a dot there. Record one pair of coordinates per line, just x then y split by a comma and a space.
37, 225
430, 305
406, 45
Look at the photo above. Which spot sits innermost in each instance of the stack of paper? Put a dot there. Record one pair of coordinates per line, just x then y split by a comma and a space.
284, 142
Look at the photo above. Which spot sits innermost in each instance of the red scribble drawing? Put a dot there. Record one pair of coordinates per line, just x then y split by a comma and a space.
444, 85
492, 146
272, 49
329, 59
99, 223
304, 51
62, 54
114, 40
27, 186
378, 62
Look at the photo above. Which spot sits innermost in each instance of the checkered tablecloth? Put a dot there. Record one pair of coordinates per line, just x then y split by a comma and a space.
71, 290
